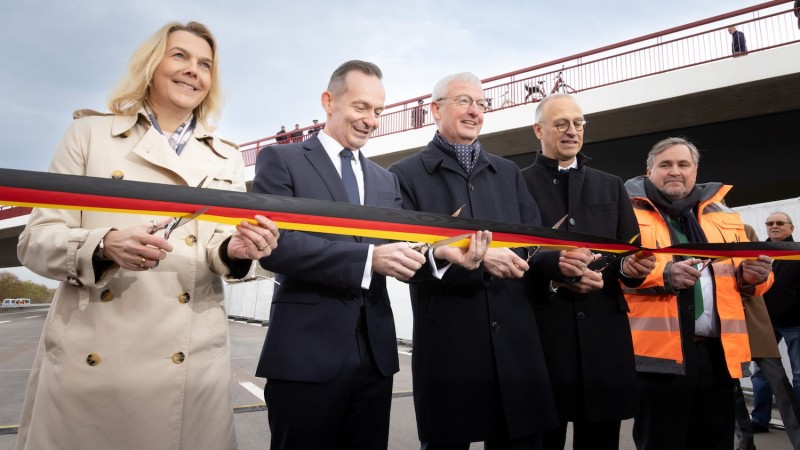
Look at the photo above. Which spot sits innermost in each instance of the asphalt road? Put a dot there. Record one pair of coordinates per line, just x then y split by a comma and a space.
19, 333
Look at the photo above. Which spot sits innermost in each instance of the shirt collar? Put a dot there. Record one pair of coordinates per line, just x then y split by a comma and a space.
332, 147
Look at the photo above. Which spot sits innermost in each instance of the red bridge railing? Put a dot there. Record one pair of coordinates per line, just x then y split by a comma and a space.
766, 25
9, 212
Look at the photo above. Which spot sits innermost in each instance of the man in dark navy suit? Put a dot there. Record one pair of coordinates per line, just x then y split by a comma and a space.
331, 348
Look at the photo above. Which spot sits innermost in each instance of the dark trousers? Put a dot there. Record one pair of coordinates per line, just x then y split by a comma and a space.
349, 412
602, 435
687, 412
533, 442
744, 427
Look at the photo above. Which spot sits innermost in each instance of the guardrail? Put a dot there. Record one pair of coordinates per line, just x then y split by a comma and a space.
24, 307
696, 43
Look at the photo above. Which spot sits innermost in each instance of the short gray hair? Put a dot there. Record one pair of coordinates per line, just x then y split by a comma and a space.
336, 84
788, 219
664, 144
540, 109
440, 89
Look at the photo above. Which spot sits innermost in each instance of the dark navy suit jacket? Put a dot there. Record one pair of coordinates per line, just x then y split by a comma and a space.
315, 308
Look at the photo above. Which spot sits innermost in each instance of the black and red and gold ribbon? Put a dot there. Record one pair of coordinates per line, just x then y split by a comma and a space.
50, 190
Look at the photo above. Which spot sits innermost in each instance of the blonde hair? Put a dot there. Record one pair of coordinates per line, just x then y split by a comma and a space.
134, 89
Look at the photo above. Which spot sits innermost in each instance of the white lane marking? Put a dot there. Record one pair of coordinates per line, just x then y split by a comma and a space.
5, 321
404, 353
253, 389
31, 317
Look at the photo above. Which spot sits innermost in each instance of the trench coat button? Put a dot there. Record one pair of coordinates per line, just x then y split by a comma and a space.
555, 181
581, 315
107, 295
178, 357
190, 240
74, 281
184, 297
571, 221
117, 175
93, 359
495, 326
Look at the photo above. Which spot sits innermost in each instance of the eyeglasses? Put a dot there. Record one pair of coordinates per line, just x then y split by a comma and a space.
779, 223
563, 125
465, 101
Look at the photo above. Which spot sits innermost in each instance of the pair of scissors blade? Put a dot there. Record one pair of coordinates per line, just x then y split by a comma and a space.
450, 240
183, 220
560, 222
423, 247
535, 248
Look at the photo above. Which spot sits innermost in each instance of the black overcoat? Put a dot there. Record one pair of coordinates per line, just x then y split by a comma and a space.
478, 367
586, 337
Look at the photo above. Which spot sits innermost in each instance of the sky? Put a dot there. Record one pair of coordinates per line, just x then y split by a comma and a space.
275, 58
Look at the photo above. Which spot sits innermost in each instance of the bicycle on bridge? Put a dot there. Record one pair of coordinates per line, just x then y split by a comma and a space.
540, 92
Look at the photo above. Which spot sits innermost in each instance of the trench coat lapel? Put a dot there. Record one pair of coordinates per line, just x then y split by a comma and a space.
155, 149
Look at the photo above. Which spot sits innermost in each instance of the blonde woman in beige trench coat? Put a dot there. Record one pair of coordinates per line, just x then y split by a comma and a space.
134, 352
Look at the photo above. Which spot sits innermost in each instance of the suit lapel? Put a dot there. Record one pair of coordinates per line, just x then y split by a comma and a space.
371, 187
319, 159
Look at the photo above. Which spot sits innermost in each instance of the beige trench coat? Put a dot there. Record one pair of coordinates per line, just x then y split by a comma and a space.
135, 360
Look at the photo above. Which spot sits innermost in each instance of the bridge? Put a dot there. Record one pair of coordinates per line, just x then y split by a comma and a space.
680, 81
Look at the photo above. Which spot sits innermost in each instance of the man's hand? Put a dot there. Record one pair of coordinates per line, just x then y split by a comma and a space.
573, 262
638, 265
756, 271
590, 281
470, 257
683, 273
396, 260
504, 263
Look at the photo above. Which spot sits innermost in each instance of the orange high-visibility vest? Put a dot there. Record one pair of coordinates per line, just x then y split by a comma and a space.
654, 304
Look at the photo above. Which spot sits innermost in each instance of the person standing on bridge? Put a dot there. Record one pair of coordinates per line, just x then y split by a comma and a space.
584, 326
478, 369
687, 320
331, 349
134, 352
797, 12
738, 42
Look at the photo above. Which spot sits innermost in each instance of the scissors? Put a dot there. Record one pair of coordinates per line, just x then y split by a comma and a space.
532, 250
423, 247
183, 220
180, 221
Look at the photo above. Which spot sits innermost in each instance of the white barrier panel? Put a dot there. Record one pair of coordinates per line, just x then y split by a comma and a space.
252, 300
401, 308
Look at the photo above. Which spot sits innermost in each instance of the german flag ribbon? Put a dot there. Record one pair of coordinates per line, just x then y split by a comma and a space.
61, 191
